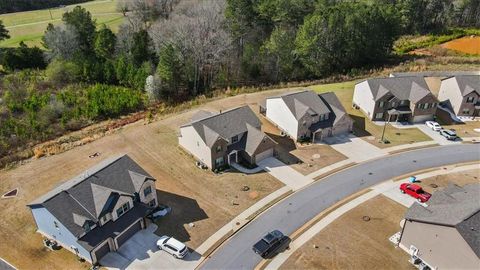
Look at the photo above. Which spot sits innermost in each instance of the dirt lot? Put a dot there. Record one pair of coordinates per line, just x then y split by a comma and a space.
441, 181
468, 45
351, 243
196, 196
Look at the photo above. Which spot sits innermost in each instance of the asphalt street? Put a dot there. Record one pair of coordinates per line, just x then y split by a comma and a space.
293, 212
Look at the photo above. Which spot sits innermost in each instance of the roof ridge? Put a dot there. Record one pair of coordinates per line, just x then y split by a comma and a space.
71, 196
215, 115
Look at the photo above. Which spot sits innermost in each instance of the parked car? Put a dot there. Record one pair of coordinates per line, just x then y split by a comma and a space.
269, 243
172, 246
433, 125
415, 191
449, 134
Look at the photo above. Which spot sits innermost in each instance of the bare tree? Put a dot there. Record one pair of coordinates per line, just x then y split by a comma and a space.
61, 42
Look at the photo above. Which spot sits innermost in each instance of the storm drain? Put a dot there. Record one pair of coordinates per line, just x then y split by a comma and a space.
11, 194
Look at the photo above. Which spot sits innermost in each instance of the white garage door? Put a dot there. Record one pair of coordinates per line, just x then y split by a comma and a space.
264, 155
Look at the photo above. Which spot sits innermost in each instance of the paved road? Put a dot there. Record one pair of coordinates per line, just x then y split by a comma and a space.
295, 211
5, 266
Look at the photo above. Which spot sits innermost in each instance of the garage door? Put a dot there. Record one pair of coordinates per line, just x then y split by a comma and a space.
422, 118
102, 251
129, 233
264, 155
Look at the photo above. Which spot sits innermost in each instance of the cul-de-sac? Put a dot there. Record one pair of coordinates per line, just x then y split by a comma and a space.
239, 134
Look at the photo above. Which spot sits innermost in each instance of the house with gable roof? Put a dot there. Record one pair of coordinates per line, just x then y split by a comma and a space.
445, 234
219, 139
306, 114
97, 211
462, 93
396, 99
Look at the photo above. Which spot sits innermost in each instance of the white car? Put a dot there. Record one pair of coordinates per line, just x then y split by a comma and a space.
433, 125
172, 246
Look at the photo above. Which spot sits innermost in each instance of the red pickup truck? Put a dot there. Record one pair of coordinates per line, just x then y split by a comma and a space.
415, 191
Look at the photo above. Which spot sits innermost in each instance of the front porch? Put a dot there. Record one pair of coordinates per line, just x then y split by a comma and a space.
401, 114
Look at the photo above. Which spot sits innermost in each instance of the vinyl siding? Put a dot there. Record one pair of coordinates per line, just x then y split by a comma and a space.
363, 98
152, 195
62, 235
440, 246
280, 115
193, 143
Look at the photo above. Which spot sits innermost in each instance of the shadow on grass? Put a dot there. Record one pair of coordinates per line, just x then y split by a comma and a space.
284, 148
359, 126
184, 211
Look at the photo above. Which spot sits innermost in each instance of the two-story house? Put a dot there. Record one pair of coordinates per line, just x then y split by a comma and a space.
307, 115
402, 99
445, 234
230, 136
462, 93
97, 211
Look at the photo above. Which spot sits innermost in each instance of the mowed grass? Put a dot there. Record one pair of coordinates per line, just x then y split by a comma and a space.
29, 26
363, 127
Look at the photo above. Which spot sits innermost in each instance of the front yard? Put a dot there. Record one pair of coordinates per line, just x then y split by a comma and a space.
352, 243
363, 127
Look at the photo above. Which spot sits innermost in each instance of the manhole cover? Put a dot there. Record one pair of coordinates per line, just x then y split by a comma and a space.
434, 185
316, 156
366, 218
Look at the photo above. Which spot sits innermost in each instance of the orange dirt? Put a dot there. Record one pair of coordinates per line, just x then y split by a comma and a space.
468, 45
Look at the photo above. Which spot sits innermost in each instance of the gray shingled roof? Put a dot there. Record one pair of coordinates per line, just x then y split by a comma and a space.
335, 106
453, 206
303, 102
226, 124
468, 84
88, 196
403, 88
435, 73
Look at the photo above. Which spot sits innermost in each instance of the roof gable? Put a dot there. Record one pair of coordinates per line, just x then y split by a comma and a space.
304, 102
403, 88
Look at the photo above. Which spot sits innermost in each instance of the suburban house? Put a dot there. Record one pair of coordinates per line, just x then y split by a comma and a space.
402, 99
230, 136
446, 233
461, 94
97, 211
307, 115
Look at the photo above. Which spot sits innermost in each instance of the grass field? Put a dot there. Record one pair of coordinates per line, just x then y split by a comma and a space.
363, 127
29, 26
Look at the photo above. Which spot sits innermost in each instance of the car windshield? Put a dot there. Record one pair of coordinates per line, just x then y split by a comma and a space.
449, 132
183, 249
269, 238
166, 240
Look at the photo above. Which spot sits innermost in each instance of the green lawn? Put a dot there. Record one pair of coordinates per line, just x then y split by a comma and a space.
29, 26
365, 128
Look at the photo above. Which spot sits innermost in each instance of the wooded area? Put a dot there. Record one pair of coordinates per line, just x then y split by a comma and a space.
189, 48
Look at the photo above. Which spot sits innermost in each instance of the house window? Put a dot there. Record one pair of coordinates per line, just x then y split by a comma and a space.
326, 116
87, 227
466, 111
394, 104
403, 102
219, 161
322, 117
235, 139
152, 203
104, 219
219, 148
124, 208
381, 104
55, 223
427, 105
470, 99
147, 191
421, 106
379, 115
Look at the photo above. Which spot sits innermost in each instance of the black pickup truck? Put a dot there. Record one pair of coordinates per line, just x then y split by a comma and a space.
269, 243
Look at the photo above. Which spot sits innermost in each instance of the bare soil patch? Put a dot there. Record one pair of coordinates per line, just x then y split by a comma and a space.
352, 243
438, 182
468, 45
201, 197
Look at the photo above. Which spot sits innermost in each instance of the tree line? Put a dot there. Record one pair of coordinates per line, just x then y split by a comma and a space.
174, 50
9, 6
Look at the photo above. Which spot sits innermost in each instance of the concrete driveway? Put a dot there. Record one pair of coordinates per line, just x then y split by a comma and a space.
435, 135
140, 252
284, 173
354, 148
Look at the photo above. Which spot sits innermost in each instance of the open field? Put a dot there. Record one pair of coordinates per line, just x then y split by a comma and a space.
29, 26
352, 243
468, 45
365, 128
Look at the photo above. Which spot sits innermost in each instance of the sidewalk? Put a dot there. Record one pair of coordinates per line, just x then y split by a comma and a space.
284, 173
383, 188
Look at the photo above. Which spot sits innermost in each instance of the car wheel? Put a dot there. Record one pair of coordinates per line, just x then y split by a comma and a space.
402, 191
175, 255
159, 247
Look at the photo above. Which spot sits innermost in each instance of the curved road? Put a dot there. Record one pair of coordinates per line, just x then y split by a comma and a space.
293, 212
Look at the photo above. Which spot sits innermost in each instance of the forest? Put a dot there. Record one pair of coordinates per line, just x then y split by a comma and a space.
86, 73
